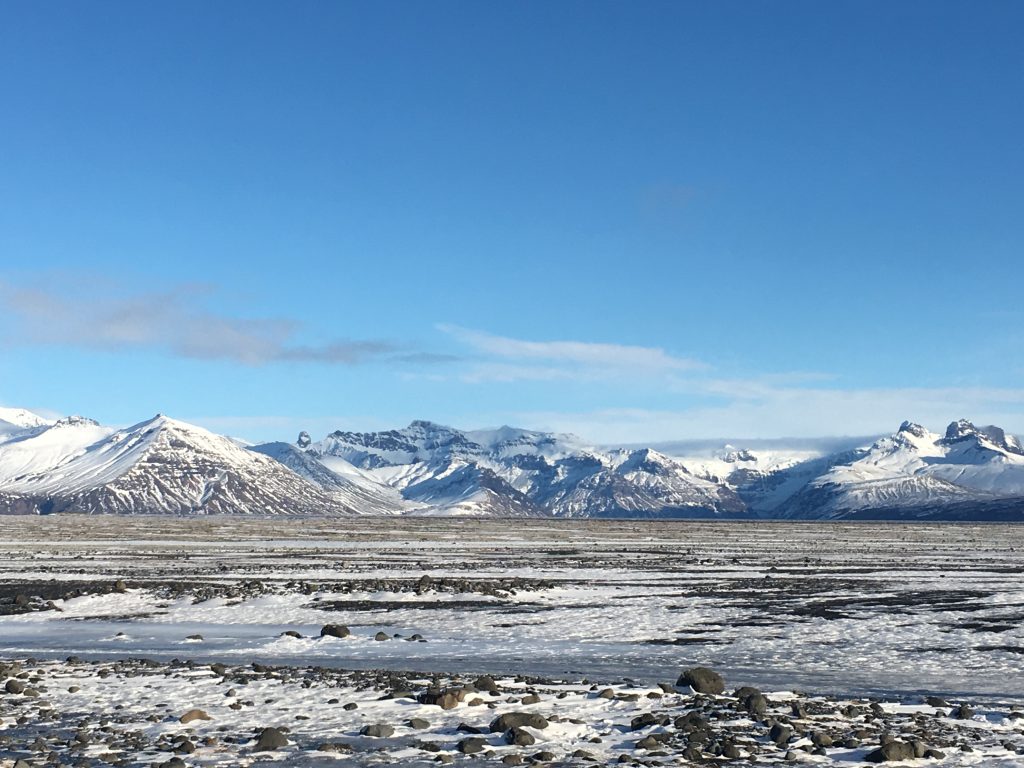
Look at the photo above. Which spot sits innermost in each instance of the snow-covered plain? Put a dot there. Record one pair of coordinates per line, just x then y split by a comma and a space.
835, 611
830, 608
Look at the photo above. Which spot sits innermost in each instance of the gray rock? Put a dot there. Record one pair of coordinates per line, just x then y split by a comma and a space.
519, 737
894, 751
780, 734
270, 739
472, 745
334, 630
509, 720
378, 731
702, 680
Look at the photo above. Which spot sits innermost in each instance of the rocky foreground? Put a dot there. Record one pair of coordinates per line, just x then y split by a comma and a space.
145, 713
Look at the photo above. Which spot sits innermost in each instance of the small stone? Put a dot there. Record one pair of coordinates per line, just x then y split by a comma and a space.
378, 731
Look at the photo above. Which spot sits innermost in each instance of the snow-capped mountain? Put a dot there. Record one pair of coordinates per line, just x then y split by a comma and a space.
515, 471
15, 420
167, 466
913, 468
158, 466
346, 484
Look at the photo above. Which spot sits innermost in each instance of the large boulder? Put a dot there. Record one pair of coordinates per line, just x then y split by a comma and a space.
270, 739
702, 680
442, 699
892, 752
510, 720
334, 630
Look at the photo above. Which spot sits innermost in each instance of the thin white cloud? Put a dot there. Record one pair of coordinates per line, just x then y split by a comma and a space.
504, 358
794, 412
174, 321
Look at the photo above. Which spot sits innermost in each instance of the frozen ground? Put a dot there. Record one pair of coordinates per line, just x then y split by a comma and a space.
829, 608
832, 610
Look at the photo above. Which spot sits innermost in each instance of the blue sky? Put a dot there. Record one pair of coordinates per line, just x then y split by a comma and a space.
634, 221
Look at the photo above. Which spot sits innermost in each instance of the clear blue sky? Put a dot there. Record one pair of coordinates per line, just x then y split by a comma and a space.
635, 221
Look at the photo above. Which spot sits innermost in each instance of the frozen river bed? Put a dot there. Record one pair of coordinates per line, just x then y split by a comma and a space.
842, 609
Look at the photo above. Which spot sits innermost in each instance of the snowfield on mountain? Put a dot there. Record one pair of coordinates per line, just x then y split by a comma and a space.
163, 465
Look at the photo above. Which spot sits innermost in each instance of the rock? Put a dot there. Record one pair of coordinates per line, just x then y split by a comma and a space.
381, 637
519, 737
510, 720
648, 719
442, 699
894, 751
270, 739
821, 739
335, 747
120, 586
418, 723
14, 686
472, 745
485, 683
936, 701
780, 734
607, 693
702, 680
350, 706
378, 731
194, 714
752, 701
291, 633
963, 712
334, 630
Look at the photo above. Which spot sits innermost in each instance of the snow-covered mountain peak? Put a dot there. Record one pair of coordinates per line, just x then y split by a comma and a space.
75, 421
990, 438
960, 429
916, 430
17, 419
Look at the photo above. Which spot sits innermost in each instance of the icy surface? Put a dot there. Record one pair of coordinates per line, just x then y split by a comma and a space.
838, 608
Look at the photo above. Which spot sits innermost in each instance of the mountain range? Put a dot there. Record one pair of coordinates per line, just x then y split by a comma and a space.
163, 465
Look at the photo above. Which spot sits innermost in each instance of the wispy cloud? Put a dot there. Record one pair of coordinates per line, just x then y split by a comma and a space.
796, 411
176, 321
503, 358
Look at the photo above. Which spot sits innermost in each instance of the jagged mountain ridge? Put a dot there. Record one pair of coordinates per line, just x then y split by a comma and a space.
913, 468
167, 466
539, 473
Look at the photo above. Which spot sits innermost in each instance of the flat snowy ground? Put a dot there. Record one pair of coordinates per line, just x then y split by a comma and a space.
831, 610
